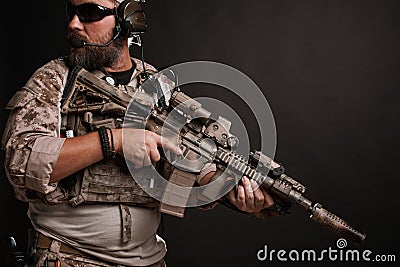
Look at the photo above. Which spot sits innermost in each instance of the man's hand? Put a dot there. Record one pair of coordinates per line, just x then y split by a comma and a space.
250, 197
141, 146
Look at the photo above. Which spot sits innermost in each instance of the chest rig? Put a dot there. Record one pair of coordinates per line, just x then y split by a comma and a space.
108, 181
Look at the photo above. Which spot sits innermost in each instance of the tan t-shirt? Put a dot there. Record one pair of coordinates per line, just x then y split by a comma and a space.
79, 227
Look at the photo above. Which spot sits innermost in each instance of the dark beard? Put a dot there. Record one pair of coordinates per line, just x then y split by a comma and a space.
92, 57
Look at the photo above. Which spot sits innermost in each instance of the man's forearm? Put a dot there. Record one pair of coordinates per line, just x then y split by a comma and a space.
77, 153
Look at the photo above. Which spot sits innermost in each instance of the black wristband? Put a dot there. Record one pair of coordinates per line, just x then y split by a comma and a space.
113, 152
105, 143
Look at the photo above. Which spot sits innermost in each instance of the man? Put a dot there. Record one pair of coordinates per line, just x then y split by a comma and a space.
50, 171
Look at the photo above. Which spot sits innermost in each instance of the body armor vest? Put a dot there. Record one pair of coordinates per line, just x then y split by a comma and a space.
107, 180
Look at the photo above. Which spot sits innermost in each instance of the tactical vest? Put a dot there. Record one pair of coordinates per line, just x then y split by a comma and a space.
106, 181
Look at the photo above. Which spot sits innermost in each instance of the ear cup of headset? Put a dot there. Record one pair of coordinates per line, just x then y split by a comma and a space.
132, 19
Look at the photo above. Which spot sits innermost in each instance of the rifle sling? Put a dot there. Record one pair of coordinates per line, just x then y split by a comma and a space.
72, 75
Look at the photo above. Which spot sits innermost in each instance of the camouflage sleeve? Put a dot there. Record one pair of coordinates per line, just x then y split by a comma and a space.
31, 138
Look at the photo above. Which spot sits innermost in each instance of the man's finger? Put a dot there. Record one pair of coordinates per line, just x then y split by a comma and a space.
240, 194
248, 190
268, 200
154, 154
241, 198
167, 144
258, 195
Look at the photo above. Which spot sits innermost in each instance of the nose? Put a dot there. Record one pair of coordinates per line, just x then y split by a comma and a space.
75, 23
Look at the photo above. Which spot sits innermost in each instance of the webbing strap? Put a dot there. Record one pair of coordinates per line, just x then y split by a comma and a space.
72, 75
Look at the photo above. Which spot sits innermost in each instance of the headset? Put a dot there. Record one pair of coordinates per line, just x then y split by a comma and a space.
131, 18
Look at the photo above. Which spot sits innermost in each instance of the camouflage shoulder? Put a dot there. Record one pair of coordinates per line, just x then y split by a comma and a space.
51, 76
45, 84
55, 70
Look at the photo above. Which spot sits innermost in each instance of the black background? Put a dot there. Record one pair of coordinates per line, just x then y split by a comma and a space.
330, 72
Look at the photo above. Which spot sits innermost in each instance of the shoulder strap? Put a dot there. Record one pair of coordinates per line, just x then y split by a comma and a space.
72, 74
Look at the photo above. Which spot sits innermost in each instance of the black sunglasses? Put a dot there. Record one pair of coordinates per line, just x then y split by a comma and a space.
88, 12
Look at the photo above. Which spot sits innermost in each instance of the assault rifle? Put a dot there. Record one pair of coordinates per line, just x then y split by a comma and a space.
202, 138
